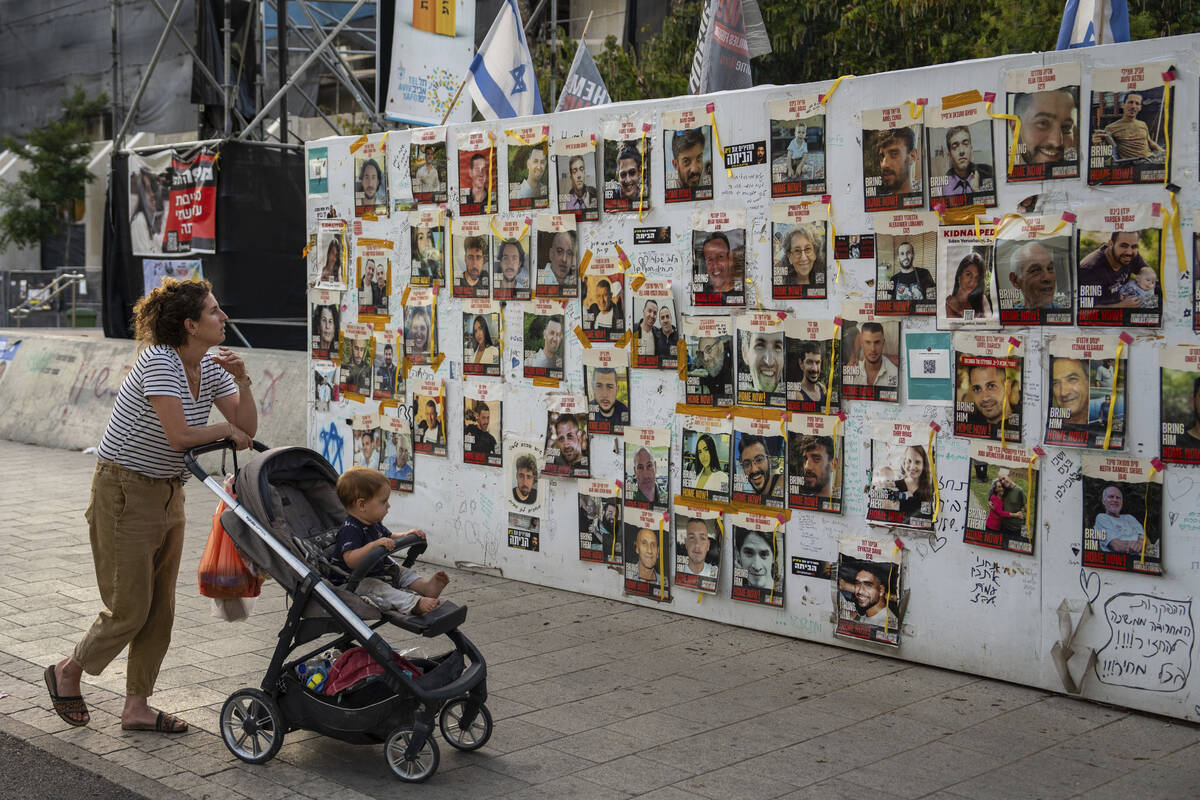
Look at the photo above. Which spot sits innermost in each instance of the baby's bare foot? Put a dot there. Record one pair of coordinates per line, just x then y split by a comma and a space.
438, 582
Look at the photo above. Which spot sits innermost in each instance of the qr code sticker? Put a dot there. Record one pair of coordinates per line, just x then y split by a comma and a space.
929, 366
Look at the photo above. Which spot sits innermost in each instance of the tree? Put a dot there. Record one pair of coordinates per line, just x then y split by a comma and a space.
818, 40
40, 203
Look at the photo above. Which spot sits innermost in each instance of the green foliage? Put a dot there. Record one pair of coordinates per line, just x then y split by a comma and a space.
41, 201
819, 40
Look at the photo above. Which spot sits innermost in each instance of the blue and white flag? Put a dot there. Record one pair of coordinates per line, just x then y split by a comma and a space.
1088, 22
501, 80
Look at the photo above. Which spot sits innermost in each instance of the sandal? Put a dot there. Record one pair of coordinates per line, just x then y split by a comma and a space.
163, 723
66, 705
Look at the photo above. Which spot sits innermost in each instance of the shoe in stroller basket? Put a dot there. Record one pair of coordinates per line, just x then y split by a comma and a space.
285, 519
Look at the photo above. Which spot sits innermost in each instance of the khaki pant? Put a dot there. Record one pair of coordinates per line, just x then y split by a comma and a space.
136, 526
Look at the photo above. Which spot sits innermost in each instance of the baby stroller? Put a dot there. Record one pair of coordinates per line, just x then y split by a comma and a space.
285, 520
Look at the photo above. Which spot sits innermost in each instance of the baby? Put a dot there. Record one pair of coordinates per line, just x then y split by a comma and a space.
1143, 285
365, 493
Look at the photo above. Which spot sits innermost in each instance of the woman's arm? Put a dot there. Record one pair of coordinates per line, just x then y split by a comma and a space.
239, 409
181, 436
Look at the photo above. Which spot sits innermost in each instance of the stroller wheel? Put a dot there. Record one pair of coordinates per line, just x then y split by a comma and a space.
411, 770
252, 726
465, 735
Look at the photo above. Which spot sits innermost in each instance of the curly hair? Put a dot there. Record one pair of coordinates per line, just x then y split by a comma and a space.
158, 317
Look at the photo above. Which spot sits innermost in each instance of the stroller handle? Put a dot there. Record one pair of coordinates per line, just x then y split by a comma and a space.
189, 457
415, 544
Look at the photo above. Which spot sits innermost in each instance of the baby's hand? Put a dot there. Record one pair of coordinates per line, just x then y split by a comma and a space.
388, 542
411, 532
426, 604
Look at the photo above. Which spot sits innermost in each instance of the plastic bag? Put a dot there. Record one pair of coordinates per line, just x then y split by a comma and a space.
223, 574
233, 609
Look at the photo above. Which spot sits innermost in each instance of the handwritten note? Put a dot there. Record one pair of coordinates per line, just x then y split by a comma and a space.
1150, 643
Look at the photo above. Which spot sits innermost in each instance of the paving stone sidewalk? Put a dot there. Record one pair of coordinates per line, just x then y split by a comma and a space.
592, 698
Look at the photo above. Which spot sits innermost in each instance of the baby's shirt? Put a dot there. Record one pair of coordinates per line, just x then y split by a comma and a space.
1147, 297
354, 534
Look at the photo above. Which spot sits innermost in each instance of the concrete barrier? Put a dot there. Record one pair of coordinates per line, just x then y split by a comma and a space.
59, 389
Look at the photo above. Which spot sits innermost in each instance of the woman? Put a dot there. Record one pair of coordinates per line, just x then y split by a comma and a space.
486, 351
996, 513
416, 338
969, 291
426, 257
332, 271
709, 475
325, 328
914, 486
136, 515
370, 182
146, 232
803, 254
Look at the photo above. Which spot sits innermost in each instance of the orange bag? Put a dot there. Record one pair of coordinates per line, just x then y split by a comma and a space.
222, 573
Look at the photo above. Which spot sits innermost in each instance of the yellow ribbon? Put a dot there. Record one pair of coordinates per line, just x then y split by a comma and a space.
914, 109
887, 597
1006, 220
448, 249
837, 278
824, 98
757, 300
1016, 133
522, 140
642, 177
937, 493
837, 330
837, 432
662, 560
1004, 405
1172, 217
712, 116
1112, 397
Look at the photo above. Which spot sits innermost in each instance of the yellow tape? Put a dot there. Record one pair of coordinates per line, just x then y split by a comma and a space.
1032, 497
404, 297
357, 143
437, 361
837, 331
681, 355
583, 339
1016, 134
937, 493
583, 262
642, 177
637, 281
547, 382
837, 279
624, 340
1172, 218
1112, 397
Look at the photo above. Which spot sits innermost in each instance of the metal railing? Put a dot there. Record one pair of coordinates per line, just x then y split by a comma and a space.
46, 297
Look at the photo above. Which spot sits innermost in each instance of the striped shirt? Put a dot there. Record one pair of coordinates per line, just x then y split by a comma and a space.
134, 437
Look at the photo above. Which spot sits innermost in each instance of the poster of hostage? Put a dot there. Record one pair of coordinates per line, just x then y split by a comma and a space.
600, 521
575, 158
482, 343
477, 173
1129, 125
542, 327
646, 549
1180, 404
525, 495
567, 452
988, 384
370, 177
173, 202
429, 409
708, 343
869, 593
799, 240
812, 370
705, 447
901, 491
906, 264
758, 558
814, 462
398, 463
1122, 513
1034, 270
698, 546
606, 380
719, 258
1085, 386
870, 353
647, 468
962, 169
892, 163
687, 138
471, 246
1046, 101
759, 453
329, 257
1120, 268
655, 337
762, 358
968, 278
427, 165
528, 160
1002, 491
483, 422
627, 146
797, 146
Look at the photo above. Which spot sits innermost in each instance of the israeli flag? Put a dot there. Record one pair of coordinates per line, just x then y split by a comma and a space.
1089, 22
502, 82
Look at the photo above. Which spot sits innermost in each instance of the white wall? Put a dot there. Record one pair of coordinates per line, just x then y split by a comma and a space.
463, 506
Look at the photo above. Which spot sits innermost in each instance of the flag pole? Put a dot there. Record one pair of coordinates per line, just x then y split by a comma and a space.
585, 26
454, 102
